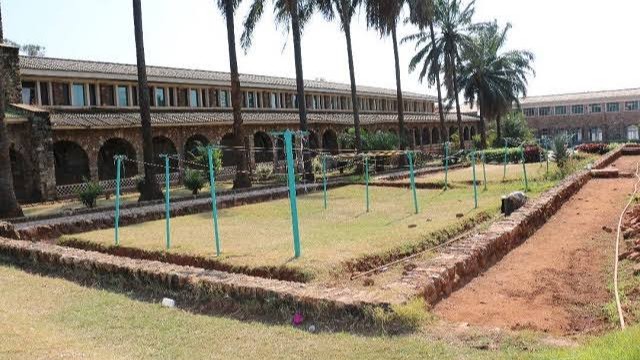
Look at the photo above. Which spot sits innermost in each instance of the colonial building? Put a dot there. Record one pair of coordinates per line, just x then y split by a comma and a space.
68, 118
586, 117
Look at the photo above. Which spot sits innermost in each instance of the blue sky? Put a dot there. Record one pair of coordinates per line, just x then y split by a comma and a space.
580, 46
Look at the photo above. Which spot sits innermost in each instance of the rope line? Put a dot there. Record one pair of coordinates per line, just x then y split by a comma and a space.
616, 260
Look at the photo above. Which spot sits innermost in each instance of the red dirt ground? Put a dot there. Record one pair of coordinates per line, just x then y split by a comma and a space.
557, 280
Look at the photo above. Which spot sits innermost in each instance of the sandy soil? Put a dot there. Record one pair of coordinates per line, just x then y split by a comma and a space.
557, 280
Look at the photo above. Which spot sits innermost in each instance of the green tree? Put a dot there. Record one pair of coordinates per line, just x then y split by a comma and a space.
455, 24
150, 189
423, 14
516, 127
492, 78
242, 178
345, 10
292, 14
9, 206
384, 16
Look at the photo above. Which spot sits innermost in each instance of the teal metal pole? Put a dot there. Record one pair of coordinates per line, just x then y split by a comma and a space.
117, 220
288, 139
446, 165
524, 169
214, 200
324, 179
506, 144
366, 179
475, 184
484, 170
413, 182
167, 196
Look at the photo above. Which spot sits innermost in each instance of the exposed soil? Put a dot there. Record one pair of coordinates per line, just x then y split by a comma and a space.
557, 280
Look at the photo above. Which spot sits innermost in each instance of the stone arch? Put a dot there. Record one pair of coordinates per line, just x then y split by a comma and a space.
18, 172
465, 133
164, 146
228, 154
417, 138
71, 163
193, 143
452, 130
313, 143
473, 131
426, 136
330, 141
106, 163
263, 147
435, 136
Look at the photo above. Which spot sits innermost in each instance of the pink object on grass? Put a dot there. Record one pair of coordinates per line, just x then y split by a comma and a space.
297, 319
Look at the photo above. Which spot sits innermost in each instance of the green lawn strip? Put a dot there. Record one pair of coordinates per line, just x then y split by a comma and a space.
259, 235
45, 317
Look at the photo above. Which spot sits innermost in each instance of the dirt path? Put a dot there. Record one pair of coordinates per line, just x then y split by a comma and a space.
557, 280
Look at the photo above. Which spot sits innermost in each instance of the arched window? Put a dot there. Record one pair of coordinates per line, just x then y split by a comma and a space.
72, 163
263, 147
632, 133
106, 165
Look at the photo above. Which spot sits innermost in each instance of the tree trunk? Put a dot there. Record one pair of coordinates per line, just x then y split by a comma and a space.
499, 128
302, 101
243, 178
455, 92
443, 126
354, 92
150, 190
401, 129
483, 125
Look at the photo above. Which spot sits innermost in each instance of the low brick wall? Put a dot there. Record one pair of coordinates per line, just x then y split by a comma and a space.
7, 230
192, 287
459, 263
48, 229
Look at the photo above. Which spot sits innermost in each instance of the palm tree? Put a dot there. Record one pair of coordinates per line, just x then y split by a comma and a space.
243, 178
150, 189
383, 15
423, 14
293, 13
455, 25
9, 206
345, 9
492, 78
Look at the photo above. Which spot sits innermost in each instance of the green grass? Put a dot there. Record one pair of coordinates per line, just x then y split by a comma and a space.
127, 198
495, 174
45, 317
260, 234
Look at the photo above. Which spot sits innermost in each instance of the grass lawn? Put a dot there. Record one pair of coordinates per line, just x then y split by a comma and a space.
128, 198
260, 234
48, 318
495, 174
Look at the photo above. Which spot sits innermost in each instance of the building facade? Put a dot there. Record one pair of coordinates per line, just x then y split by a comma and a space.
602, 116
68, 118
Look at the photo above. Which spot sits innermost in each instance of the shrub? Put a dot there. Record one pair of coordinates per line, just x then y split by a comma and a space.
264, 171
199, 158
560, 150
90, 193
379, 140
532, 154
514, 126
194, 180
599, 148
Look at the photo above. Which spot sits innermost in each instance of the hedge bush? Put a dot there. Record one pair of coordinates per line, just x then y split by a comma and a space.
532, 154
598, 148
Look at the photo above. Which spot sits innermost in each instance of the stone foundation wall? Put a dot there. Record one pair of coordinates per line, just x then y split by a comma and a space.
192, 287
459, 263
